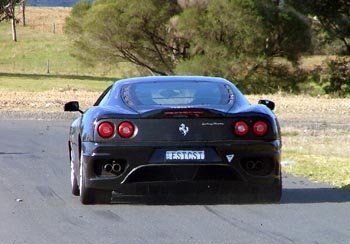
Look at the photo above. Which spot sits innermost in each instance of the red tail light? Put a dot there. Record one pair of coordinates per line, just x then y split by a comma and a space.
260, 128
241, 128
126, 129
106, 129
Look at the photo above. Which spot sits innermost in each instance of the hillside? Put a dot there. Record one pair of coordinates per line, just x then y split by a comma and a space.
42, 48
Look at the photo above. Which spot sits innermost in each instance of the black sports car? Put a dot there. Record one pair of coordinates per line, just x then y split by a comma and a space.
174, 136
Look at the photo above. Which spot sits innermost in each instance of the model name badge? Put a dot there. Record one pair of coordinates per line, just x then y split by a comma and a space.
185, 155
212, 124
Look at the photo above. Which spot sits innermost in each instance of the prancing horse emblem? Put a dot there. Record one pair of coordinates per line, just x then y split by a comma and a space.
184, 129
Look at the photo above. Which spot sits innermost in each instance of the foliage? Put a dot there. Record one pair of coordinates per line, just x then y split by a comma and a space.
111, 31
7, 8
288, 33
223, 38
219, 46
238, 39
321, 43
333, 16
275, 77
337, 78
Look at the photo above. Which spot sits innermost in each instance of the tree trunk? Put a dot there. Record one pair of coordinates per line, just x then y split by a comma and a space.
346, 44
13, 23
24, 12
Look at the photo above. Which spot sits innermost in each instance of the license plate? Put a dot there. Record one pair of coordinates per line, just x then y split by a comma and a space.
184, 155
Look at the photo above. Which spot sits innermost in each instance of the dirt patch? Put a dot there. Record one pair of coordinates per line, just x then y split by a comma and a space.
303, 111
42, 105
292, 111
46, 19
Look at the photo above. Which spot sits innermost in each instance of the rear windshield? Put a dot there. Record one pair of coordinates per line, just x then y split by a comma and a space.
177, 93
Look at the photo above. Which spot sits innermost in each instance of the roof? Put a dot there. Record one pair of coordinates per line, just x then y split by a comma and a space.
172, 78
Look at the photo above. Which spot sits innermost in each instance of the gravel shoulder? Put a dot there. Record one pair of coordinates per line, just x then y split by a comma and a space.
295, 111
46, 105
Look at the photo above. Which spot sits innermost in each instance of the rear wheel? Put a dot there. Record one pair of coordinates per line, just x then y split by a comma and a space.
274, 194
269, 194
73, 178
88, 195
278, 194
73, 175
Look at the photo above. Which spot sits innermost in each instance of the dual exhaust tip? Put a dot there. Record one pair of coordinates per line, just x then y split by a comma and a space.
114, 168
254, 165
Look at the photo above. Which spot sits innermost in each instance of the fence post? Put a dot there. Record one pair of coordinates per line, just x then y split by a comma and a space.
48, 67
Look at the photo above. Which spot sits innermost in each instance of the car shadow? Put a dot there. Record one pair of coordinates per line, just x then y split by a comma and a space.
315, 195
289, 196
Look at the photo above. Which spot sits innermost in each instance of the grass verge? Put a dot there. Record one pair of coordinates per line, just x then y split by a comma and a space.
333, 170
43, 48
40, 83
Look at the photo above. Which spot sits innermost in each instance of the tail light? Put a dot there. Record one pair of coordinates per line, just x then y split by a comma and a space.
126, 129
241, 128
260, 128
105, 129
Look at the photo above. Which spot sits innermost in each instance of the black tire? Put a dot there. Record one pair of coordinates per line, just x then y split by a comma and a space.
91, 196
74, 180
269, 194
277, 192
75, 187
274, 194
86, 196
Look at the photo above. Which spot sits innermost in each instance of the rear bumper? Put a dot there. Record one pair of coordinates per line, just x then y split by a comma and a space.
139, 160
194, 192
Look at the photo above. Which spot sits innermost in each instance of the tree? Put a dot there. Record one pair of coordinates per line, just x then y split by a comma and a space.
111, 31
7, 12
229, 38
288, 32
238, 39
336, 80
222, 37
333, 15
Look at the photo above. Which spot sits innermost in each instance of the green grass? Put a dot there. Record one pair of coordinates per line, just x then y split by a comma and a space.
39, 52
319, 168
39, 83
320, 154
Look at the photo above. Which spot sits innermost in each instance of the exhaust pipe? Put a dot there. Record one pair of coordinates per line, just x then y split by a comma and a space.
259, 165
251, 165
116, 168
108, 168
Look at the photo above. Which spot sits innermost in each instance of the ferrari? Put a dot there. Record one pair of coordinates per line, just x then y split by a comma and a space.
175, 136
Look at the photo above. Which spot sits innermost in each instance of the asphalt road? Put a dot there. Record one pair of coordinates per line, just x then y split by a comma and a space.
36, 205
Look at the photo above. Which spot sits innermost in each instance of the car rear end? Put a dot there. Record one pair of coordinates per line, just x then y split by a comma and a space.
189, 136
184, 154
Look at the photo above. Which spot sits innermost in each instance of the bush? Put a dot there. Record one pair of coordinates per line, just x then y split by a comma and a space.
272, 78
336, 80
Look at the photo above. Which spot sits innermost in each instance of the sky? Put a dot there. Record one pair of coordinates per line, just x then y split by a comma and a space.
61, 3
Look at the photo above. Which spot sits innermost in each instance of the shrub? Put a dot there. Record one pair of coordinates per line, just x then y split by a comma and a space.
336, 80
272, 78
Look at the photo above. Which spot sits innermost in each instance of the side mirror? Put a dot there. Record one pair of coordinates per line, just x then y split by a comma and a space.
72, 106
267, 103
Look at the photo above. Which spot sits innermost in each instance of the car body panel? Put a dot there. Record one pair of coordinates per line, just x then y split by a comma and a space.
161, 129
